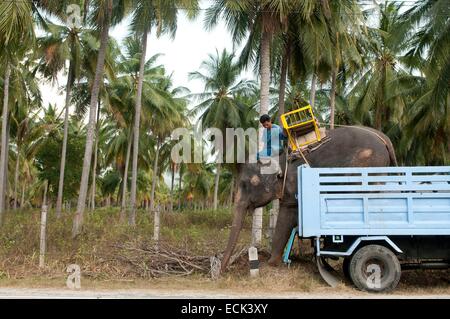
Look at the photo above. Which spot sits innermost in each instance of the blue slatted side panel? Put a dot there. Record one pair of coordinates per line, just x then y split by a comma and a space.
374, 201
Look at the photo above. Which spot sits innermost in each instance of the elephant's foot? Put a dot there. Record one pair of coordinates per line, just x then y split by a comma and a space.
275, 261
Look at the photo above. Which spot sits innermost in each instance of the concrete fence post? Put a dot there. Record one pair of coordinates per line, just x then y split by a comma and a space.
157, 221
42, 241
254, 262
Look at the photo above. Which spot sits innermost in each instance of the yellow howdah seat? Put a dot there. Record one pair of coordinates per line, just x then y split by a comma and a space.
301, 127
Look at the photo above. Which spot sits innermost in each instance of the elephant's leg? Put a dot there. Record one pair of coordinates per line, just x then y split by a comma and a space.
287, 220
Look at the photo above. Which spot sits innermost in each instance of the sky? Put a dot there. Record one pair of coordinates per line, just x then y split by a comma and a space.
180, 55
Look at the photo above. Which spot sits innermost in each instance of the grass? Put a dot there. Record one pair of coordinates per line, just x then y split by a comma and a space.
202, 232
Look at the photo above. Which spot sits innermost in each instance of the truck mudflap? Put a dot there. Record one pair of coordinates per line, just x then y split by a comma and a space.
327, 272
288, 249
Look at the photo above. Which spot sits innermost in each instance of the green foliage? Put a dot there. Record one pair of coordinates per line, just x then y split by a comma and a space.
48, 160
202, 231
219, 106
392, 74
16, 28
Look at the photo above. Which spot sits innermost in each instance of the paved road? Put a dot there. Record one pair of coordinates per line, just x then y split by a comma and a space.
20, 293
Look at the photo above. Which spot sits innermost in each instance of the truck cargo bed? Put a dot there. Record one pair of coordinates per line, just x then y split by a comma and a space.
374, 201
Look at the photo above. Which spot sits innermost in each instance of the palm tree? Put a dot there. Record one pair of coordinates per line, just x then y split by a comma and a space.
103, 18
197, 182
147, 15
262, 19
286, 49
426, 27
122, 94
161, 111
116, 138
320, 41
16, 36
32, 139
344, 20
163, 117
81, 92
25, 97
378, 90
63, 43
219, 108
120, 107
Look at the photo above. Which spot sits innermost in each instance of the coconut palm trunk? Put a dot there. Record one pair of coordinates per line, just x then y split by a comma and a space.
283, 78
216, 186
85, 10
172, 184
154, 177
137, 119
22, 199
81, 204
94, 170
180, 180
281, 106
332, 98
380, 107
265, 82
124, 183
6, 169
59, 198
265, 71
16, 177
4, 149
313, 89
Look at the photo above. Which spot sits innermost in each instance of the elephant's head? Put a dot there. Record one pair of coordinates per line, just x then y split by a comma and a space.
256, 187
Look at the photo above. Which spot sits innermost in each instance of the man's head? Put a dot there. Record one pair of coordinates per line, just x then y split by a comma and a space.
266, 121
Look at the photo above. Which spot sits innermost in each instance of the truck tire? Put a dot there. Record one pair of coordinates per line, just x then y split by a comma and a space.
375, 268
346, 268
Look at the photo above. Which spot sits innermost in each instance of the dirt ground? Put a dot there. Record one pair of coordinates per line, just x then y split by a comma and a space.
48, 293
301, 280
105, 275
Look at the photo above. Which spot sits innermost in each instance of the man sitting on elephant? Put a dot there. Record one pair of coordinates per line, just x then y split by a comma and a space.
273, 137
348, 146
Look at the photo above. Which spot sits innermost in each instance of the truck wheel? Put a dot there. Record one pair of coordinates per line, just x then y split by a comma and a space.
375, 268
346, 268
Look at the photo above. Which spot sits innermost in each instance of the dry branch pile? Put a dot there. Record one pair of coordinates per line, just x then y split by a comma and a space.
149, 260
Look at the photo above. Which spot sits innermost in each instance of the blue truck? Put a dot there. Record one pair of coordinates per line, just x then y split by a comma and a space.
380, 220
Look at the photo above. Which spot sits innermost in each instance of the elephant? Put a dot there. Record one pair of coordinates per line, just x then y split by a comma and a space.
349, 146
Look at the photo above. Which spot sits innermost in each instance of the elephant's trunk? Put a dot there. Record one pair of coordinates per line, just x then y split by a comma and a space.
239, 214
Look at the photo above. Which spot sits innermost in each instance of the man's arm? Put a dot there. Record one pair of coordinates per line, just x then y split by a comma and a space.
283, 132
